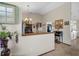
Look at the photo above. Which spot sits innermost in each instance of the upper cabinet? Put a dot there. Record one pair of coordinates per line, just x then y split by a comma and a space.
75, 10
8, 13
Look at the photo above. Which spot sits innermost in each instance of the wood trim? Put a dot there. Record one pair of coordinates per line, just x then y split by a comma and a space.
66, 44
46, 52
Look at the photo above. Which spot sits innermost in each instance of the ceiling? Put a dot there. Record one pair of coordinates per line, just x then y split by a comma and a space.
37, 7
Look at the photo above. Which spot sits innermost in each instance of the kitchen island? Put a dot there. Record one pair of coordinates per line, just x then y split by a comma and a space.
37, 44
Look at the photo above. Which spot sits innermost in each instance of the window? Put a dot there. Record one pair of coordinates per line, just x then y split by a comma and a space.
8, 13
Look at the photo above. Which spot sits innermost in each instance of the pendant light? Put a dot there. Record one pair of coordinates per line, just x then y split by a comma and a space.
28, 19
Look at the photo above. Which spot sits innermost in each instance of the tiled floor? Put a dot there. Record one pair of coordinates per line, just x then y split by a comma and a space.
65, 50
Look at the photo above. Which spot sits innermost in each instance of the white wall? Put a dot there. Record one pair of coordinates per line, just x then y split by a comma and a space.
9, 27
62, 12
75, 14
35, 17
77, 28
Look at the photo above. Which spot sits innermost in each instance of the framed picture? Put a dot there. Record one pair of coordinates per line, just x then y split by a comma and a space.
59, 24
66, 23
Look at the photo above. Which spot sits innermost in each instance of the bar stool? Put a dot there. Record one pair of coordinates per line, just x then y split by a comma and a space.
58, 35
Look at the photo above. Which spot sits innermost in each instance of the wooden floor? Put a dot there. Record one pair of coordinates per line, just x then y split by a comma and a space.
65, 50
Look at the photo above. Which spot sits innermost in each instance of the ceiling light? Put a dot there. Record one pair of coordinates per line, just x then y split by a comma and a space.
28, 19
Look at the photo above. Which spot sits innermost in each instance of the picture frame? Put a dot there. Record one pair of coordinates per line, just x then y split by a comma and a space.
66, 23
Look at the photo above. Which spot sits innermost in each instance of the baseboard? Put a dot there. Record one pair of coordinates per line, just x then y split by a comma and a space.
46, 52
66, 44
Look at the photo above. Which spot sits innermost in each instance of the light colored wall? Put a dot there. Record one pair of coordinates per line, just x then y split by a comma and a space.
62, 12
75, 14
77, 28
35, 17
9, 27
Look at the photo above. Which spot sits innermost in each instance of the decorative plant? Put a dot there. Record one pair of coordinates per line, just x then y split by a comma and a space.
4, 35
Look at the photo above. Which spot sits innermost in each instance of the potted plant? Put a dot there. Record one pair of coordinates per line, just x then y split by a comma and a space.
4, 40
3, 36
